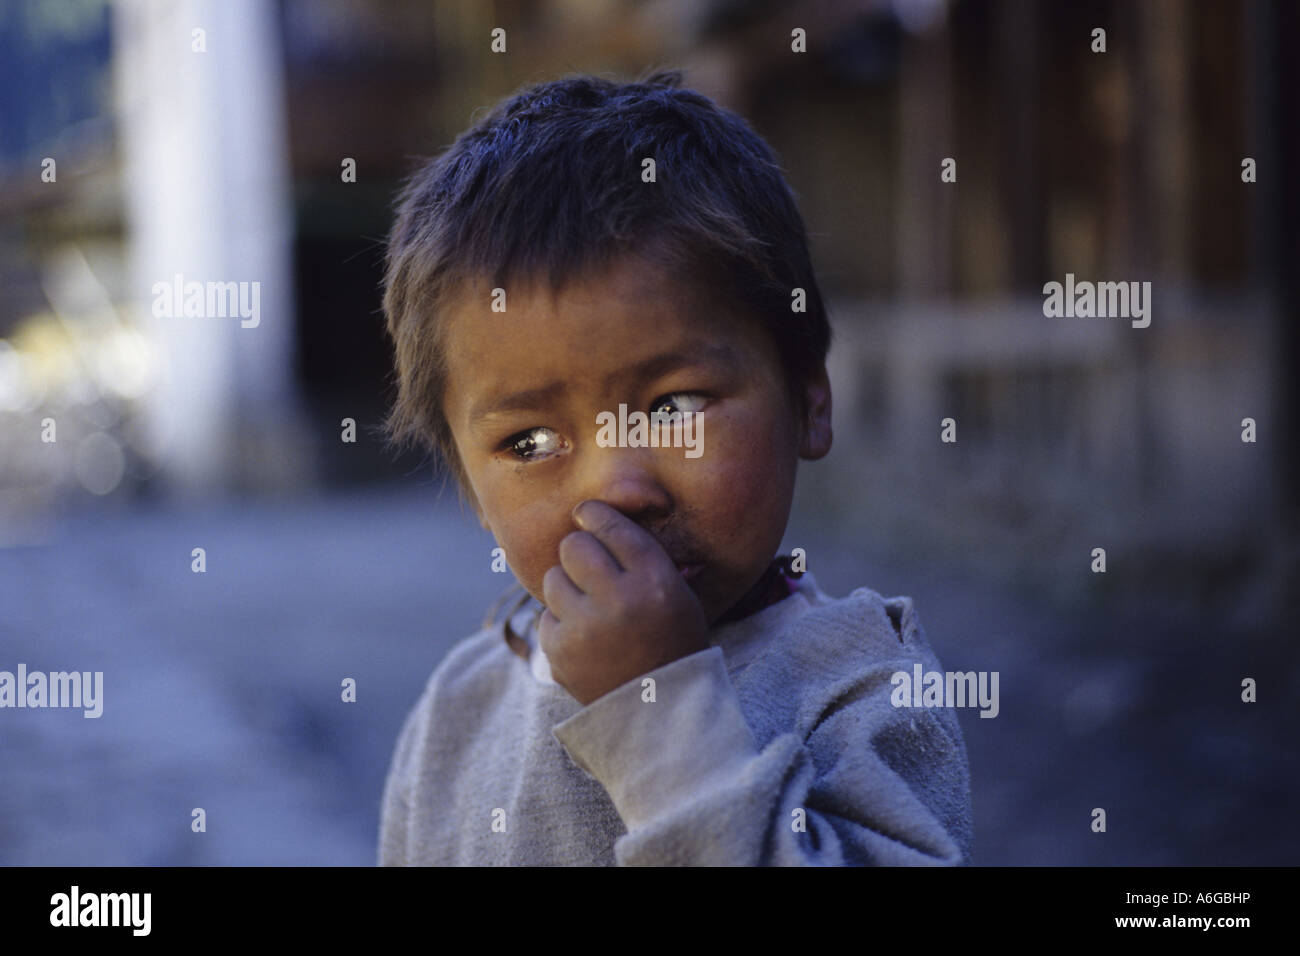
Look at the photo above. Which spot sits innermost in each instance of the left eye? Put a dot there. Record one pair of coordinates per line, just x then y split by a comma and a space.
533, 444
669, 404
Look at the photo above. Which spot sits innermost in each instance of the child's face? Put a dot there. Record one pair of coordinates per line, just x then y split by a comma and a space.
525, 386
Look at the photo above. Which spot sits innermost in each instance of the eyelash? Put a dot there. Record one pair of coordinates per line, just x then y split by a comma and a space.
509, 443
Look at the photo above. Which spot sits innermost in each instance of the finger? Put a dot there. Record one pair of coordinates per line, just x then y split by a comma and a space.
561, 595
588, 563
547, 625
629, 543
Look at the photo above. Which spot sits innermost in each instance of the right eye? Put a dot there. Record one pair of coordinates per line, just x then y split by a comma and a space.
533, 444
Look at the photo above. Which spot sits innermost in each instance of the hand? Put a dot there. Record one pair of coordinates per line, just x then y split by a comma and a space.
616, 606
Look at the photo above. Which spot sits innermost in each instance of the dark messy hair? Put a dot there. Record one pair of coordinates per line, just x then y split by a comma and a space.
549, 185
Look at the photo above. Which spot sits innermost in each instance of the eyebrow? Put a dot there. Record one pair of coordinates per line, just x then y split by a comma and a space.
653, 367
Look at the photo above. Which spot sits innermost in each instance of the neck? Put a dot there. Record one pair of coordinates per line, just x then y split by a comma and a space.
770, 588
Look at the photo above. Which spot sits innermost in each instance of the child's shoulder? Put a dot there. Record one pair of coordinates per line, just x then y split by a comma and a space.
478, 669
878, 624
480, 663
793, 663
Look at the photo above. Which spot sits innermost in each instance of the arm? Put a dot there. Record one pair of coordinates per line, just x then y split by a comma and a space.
875, 784
394, 811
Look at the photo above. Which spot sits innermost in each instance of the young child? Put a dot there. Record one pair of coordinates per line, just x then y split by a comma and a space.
676, 695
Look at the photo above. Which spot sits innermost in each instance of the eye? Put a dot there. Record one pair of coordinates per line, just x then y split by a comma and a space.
669, 404
533, 444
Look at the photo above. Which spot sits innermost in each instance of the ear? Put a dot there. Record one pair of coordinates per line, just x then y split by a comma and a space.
816, 426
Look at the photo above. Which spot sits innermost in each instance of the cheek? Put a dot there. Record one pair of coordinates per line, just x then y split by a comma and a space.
530, 533
749, 481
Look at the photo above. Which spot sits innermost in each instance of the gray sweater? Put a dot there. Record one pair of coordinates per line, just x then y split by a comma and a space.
778, 745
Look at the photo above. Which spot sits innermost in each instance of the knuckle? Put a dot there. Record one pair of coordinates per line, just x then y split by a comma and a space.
572, 543
566, 546
546, 635
601, 517
552, 577
643, 548
636, 596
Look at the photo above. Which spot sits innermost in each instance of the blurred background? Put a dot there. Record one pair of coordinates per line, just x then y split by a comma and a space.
208, 138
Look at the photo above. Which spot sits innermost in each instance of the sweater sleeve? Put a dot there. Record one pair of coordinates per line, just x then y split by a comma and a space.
868, 784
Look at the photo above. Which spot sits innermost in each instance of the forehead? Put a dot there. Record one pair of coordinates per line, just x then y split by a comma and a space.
624, 295
602, 321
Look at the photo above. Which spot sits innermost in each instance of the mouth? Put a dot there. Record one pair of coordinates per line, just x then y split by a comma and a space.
689, 569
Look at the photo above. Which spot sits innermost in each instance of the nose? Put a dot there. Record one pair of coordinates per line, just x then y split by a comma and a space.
626, 479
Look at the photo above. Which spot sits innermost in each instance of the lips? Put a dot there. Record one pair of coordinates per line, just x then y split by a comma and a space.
684, 553
689, 569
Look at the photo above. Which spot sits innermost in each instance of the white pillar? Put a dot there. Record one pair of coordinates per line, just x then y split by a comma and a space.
207, 197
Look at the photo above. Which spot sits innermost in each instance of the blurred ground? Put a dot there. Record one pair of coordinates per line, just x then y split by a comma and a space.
222, 691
